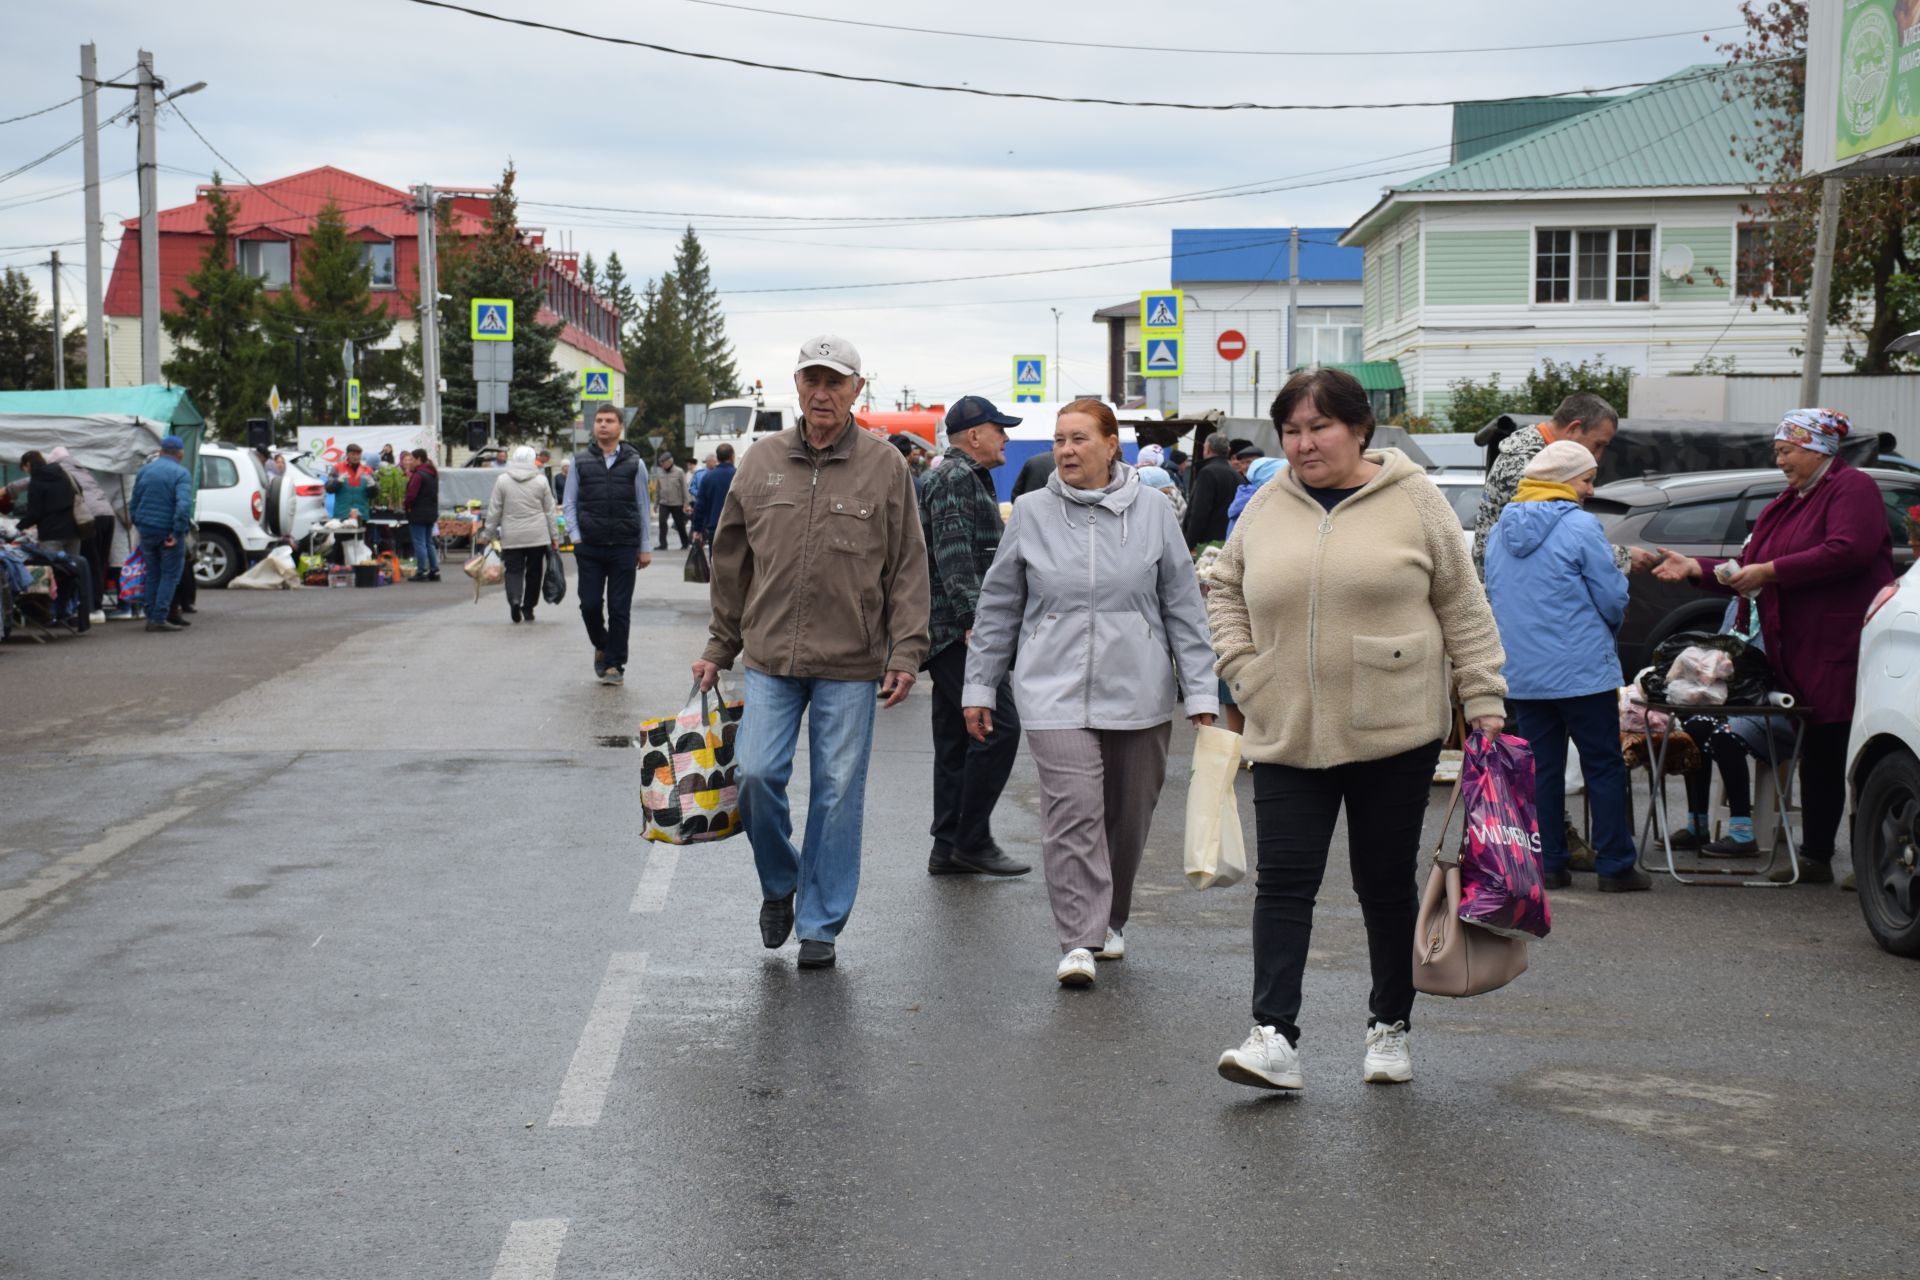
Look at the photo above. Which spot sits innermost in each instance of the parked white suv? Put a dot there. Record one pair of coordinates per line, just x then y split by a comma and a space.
1883, 768
227, 513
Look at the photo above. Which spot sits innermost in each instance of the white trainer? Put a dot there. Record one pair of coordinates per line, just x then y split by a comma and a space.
1388, 1059
1265, 1061
1076, 968
1114, 948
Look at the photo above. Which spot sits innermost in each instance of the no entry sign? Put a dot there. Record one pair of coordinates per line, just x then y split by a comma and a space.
1232, 344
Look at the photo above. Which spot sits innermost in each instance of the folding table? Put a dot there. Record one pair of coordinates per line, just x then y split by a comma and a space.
1656, 820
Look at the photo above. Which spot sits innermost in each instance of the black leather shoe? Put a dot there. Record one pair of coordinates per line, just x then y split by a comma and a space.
178, 621
940, 862
1557, 879
187, 608
163, 626
776, 921
1812, 871
1632, 880
1731, 848
989, 861
815, 954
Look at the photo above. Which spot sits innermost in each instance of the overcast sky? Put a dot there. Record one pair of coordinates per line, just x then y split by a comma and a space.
403, 94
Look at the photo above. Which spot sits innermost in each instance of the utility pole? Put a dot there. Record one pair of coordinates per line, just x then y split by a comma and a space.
90, 149
427, 311
59, 347
149, 230
1822, 291
1288, 360
1056, 351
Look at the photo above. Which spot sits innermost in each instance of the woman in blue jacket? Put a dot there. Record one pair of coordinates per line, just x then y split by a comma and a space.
1558, 597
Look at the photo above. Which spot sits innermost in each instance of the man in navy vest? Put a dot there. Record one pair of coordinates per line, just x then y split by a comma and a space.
606, 506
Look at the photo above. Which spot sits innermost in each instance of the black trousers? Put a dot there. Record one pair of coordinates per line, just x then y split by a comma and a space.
968, 776
1294, 814
526, 572
1721, 747
606, 573
679, 526
1823, 788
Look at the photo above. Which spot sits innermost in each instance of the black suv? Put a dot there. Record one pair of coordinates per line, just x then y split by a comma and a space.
1708, 513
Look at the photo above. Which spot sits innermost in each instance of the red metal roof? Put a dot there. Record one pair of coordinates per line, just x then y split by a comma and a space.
290, 205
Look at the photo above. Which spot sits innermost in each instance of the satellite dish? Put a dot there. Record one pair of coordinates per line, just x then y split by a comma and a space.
1675, 261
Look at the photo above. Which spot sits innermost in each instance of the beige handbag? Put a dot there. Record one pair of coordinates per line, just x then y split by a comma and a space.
1450, 956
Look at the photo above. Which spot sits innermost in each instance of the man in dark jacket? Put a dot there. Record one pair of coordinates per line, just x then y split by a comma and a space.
423, 513
162, 510
714, 483
960, 515
49, 505
607, 517
1033, 473
1212, 493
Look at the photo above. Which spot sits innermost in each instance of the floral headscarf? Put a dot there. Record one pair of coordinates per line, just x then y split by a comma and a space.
1819, 430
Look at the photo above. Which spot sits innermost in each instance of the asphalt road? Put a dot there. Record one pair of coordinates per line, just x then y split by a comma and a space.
330, 948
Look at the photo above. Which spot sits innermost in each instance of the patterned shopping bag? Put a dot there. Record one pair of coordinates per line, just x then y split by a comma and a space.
1502, 882
688, 772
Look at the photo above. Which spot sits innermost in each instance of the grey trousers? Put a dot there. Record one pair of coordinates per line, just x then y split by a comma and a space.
1098, 788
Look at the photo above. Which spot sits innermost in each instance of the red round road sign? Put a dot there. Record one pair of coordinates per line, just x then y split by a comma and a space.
1231, 344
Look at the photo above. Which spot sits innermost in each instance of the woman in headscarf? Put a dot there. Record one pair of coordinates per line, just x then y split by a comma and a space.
1818, 554
1154, 476
520, 514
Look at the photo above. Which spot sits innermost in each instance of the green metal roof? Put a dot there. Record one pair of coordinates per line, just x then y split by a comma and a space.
153, 403
1687, 130
1375, 375
1479, 127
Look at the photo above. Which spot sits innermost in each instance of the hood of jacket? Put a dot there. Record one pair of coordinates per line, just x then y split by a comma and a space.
522, 470
1123, 486
1524, 527
1394, 465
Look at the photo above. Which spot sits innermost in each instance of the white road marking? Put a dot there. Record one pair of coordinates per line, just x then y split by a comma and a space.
583, 1094
25, 898
656, 879
532, 1250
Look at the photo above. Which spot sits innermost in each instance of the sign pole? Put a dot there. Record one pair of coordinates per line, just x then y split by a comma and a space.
1822, 291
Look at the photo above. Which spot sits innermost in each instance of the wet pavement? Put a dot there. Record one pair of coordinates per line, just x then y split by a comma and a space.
330, 948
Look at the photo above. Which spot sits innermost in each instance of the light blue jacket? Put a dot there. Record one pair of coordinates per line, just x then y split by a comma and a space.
162, 500
1558, 597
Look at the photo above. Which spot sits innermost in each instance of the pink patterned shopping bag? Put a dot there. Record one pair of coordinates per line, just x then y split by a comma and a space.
1501, 878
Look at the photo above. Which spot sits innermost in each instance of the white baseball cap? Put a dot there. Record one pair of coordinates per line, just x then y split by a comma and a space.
832, 351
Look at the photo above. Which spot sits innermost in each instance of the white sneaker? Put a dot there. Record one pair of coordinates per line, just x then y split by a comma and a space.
1076, 968
1114, 948
1388, 1060
1265, 1061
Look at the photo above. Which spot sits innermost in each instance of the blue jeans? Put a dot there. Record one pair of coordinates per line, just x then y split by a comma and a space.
426, 554
164, 566
607, 571
839, 741
1593, 722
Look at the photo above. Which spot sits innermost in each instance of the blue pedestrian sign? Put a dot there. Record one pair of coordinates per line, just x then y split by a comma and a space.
1161, 358
1161, 310
492, 320
1029, 379
596, 384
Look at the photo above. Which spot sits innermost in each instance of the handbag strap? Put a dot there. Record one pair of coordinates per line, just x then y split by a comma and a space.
1453, 800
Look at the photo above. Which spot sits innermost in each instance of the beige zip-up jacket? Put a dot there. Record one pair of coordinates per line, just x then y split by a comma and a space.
1334, 628
820, 566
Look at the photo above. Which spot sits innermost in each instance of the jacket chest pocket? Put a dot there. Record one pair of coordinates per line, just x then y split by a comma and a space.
771, 515
1392, 684
850, 527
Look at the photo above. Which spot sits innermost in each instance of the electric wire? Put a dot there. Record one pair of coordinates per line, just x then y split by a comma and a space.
67, 103
68, 145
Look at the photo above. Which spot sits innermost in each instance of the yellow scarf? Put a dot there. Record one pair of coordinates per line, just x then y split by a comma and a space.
1532, 490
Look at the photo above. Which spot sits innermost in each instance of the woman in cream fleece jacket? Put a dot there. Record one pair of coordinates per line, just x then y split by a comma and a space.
1335, 609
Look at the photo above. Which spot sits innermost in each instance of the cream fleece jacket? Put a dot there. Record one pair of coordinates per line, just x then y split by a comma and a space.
1334, 628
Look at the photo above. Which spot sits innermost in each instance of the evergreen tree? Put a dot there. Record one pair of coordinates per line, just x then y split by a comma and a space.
498, 263
221, 354
332, 304
663, 370
705, 323
589, 275
26, 340
615, 289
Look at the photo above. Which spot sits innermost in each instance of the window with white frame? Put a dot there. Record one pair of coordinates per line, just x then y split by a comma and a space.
270, 260
1328, 335
1761, 268
1595, 265
377, 257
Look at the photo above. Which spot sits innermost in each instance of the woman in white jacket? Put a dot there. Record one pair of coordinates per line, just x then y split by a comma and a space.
1093, 587
520, 514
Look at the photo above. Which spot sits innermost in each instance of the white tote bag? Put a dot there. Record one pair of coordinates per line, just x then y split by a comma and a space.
1216, 854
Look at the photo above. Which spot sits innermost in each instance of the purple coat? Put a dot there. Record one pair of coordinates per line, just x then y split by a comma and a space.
1832, 551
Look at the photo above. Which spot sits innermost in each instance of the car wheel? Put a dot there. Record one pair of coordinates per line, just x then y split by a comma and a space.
216, 558
273, 518
1886, 853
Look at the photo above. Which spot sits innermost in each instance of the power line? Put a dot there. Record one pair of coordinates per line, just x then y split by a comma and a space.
1242, 53
68, 145
56, 106
230, 164
999, 93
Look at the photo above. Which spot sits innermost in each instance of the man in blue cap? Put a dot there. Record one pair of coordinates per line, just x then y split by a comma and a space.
161, 508
961, 515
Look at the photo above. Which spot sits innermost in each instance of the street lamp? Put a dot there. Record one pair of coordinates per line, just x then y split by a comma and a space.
1056, 351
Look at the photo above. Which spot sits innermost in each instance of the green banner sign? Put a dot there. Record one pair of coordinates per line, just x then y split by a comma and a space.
1879, 82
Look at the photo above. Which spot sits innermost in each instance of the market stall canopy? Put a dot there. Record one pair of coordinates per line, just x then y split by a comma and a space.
1649, 446
113, 430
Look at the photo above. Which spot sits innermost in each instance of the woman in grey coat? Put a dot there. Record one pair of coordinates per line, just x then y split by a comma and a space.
1093, 599
520, 513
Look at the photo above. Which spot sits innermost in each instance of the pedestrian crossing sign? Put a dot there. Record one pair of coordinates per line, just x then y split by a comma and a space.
353, 399
1162, 356
596, 384
1162, 310
1029, 379
492, 320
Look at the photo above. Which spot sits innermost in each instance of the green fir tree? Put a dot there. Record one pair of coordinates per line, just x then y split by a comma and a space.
706, 325
332, 304
26, 339
663, 369
221, 353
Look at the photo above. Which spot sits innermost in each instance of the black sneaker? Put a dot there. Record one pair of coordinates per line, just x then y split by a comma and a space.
1686, 838
1812, 871
989, 861
1632, 880
163, 626
1557, 879
776, 922
1731, 848
815, 954
940, 862
178, 621
599, 664
614, 675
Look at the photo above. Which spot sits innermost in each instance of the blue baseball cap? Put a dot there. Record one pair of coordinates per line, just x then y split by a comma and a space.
976, 411
173, 444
